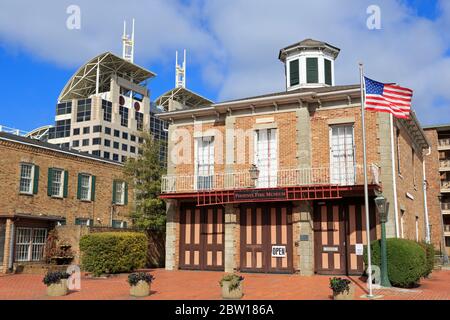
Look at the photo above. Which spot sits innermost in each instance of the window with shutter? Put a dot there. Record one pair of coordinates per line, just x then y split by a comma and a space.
36, 180
328, 75
312, 70
294, 73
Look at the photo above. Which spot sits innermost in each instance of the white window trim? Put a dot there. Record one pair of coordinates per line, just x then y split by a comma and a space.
30, 191
89, 187
61, 187
120, 201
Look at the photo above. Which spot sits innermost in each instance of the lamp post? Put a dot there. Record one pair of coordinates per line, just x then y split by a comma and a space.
254, 174
383, 209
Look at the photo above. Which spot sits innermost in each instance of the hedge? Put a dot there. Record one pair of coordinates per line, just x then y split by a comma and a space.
113, 252
407, 261
429, 253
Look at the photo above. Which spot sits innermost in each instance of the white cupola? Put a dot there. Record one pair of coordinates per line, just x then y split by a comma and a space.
309, 64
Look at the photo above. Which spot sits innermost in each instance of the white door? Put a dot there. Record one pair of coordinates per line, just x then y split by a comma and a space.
342, 155
204, 163
266, 157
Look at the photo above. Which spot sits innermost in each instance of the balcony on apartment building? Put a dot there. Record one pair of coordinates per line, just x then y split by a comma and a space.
445, 207
288, 177
445, 186
444, 165
447, 230
444, 144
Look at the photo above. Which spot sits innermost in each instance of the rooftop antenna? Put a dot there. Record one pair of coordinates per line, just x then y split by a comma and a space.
128, 43
180, 71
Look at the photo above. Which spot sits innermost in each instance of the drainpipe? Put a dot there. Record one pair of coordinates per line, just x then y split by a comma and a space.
11, 246
425, 204
394, 176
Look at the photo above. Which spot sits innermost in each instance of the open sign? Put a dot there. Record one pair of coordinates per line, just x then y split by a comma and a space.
279, 251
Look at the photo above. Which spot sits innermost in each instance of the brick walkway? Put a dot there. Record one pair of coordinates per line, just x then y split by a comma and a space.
174, 285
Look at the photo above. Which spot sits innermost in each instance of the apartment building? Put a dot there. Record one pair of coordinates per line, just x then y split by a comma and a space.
44, 185
438, 178
274, 183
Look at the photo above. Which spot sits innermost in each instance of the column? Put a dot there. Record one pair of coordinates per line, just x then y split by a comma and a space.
306, 238
231, 247
172, 234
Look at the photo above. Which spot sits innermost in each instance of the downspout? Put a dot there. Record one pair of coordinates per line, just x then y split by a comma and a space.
11, 246
427, 222
394, 176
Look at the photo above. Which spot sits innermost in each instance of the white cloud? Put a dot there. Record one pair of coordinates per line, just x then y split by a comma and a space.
236, 43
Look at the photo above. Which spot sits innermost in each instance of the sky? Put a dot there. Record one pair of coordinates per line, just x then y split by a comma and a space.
232, 47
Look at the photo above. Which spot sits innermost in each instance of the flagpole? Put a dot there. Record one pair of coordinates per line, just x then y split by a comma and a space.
366, 188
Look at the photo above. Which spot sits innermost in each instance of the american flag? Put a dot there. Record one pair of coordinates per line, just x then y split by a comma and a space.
390, 98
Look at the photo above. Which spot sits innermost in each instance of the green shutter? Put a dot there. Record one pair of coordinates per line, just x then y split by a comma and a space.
77, 221
114, 192
49, 181
92, 188
91, 222
294, 73
66, 183
327, 67
312, 70
36, 180
126, 194
79, 187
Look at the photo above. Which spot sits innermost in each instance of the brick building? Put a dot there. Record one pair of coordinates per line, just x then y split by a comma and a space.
43, 185
438, 177
274, 183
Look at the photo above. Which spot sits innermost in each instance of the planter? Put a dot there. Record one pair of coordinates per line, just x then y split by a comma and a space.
141, 289
350, 295
233, 294
58, 289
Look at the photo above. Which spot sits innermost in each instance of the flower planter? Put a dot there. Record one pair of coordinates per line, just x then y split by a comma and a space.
141, 289
58, 289
346, 295
233, 294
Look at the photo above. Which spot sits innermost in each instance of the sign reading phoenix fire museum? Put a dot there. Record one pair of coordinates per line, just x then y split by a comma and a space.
260, 194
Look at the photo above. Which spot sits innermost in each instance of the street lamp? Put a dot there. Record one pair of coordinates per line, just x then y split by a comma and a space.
254, 174
383, 210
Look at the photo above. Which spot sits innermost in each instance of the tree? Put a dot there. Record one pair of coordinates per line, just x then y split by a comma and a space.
144, 174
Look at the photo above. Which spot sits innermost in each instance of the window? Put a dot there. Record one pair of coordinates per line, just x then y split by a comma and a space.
139, 121
115, 145
97, 128
30, 243
29, 174
328, 72
124, 158
106, 155
115, 157
123, 111
398, 151
342, 157
107, 110
84, 110
85, 142
294, 73
60, 130
107, 142
141, 140
133, 138
402, 224
84, 222
76, 131
204, 162
96, 153
120, 192
75, 143
265, 158
312, 71
107, 130
132, 149
417, 228
86, 130
65, 145
124, 147
119, 224
64, 108
57, 183
117, 133
86, 187
125, 135
96, 141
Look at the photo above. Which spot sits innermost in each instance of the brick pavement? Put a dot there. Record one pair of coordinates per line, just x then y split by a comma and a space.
191, 285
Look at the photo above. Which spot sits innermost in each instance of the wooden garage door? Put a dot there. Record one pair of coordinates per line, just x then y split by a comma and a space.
338, 228
261, 229
202, 238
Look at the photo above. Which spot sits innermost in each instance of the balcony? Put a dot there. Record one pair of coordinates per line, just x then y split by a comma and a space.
444, 144
444, 165
291, 177
445, 186
447, 230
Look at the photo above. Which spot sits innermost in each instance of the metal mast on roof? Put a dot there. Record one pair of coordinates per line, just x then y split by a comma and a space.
180, 71
128, 43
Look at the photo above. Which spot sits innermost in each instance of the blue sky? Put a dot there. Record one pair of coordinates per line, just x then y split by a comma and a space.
232, 47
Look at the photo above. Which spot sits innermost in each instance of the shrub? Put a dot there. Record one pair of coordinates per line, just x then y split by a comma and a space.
406, 261
53, 277
429, 253
134, 278
339, 285
113, 252
234, 279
